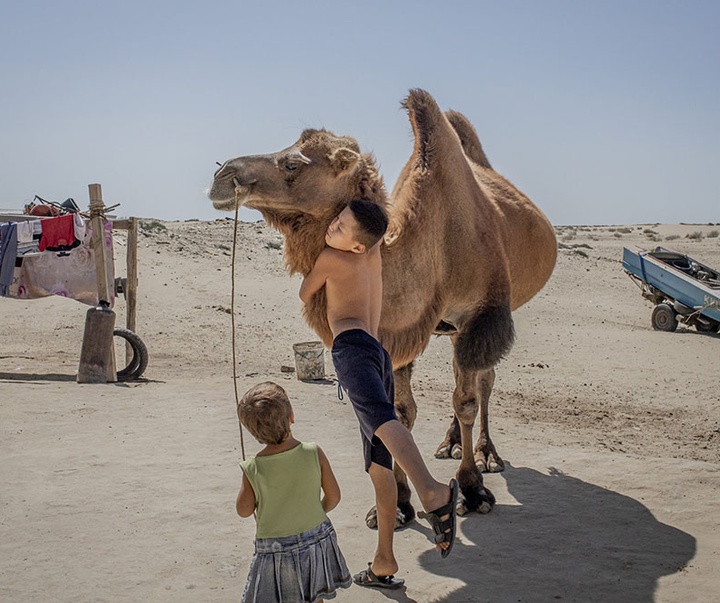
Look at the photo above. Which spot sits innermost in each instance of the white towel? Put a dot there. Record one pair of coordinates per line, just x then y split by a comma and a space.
25, 231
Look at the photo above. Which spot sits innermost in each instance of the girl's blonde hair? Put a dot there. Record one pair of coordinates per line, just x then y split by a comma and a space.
265, 411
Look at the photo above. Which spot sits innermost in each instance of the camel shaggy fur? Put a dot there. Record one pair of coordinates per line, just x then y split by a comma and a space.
464, 248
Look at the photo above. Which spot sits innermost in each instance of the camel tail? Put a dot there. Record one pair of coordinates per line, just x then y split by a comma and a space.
486, 338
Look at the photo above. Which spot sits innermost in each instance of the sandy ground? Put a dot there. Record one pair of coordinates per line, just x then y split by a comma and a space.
125, 492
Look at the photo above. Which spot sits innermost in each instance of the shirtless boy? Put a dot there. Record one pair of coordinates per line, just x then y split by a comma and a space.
350, 269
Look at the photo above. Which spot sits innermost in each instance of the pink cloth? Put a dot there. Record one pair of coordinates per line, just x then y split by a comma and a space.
67, 274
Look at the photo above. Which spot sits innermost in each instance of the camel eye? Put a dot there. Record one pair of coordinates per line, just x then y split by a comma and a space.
293, 161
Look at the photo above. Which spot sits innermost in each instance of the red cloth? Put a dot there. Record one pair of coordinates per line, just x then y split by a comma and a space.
58, 234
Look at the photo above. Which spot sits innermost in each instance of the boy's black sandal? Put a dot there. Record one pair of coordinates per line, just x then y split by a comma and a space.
444, 529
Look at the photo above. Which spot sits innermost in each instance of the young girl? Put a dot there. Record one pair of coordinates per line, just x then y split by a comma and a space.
297, 557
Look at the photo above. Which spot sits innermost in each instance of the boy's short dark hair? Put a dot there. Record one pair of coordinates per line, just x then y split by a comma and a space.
265, 411
371, 218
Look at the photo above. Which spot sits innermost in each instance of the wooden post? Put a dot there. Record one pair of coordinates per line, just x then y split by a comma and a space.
97, 220
132, 282
97, 347
97, 356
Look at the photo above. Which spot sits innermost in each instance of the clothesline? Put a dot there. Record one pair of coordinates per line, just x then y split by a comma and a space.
70, 263
51, 256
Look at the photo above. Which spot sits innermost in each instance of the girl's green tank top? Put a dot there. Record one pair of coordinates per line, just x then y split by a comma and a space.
287, 491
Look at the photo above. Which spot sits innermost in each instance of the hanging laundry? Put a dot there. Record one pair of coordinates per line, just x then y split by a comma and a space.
28, 233
66, 274
78, 226
25, 231
8, 252
58, 234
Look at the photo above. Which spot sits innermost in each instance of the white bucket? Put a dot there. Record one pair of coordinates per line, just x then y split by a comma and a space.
309, 360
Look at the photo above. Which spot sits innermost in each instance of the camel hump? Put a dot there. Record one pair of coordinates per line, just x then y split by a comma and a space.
468, 138
421, 103
435, 139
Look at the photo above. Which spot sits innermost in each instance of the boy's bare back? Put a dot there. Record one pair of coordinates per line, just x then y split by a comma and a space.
353, 283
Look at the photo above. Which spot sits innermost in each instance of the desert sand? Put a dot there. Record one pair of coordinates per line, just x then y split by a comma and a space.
125, 492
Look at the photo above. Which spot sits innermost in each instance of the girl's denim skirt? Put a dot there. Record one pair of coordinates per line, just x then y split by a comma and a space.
307, 567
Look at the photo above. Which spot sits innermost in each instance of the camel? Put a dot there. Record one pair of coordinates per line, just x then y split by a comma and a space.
464, 248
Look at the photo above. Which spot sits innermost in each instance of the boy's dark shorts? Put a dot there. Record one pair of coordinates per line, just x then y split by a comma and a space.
365, 371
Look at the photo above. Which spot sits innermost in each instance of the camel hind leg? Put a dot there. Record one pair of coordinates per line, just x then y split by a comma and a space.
483, 341
485, 454
450, 446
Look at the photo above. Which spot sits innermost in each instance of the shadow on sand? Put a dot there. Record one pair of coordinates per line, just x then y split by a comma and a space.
36, 377
566, 540
59, 377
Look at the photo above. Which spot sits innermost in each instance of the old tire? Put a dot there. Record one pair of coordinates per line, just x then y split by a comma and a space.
138, 363
663, 318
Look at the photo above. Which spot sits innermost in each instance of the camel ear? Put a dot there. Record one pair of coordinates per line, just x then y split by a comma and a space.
343, 159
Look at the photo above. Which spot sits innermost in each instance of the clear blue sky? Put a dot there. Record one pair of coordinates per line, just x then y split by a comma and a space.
602, 112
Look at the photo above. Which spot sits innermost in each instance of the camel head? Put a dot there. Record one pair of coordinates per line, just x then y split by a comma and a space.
300, 189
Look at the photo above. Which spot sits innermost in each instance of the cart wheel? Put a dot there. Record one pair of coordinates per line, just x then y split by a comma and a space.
663, 318
138, 362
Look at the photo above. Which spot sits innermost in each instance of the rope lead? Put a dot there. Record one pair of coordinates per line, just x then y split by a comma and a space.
232, 319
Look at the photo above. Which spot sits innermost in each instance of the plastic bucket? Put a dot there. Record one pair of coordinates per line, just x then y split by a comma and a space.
309, 360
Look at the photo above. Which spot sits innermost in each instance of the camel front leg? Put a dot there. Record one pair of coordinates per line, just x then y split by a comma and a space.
486, 457
466, 404
406, 410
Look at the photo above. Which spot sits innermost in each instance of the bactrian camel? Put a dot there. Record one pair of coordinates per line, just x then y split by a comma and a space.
464, 248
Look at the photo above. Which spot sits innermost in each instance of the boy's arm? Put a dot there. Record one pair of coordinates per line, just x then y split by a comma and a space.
315, 279
330, 487
245, 503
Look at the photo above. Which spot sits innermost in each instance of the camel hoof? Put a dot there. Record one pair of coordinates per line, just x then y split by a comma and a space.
484, 508
463, 509
494, 463
480, 464
495, 466
400, 519
456, 452
443, 451
480, 500
371, 519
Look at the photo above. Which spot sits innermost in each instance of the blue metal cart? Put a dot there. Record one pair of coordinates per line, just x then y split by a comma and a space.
682, 289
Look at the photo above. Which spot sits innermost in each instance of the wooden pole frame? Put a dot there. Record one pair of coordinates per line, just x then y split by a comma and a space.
131, 285
104, 291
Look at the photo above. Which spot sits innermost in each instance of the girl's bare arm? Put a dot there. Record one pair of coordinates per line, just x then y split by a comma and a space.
245, 503
330, 487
